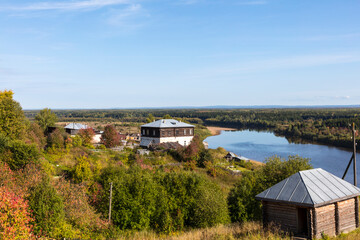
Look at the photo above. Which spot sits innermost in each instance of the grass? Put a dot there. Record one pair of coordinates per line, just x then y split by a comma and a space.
247, 231
354, 235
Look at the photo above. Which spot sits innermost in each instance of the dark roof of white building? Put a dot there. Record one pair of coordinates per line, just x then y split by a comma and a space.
167, 123
311, 188
76, 126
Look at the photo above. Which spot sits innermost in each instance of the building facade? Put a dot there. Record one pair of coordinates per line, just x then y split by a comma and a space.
166, 130
311, 203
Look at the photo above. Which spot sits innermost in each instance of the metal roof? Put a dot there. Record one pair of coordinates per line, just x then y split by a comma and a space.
311, 188
167, 123
146, 142
76, 126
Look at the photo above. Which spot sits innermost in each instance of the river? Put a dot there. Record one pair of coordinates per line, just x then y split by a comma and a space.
261, 145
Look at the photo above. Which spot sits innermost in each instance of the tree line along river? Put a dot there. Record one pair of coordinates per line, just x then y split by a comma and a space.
261, 145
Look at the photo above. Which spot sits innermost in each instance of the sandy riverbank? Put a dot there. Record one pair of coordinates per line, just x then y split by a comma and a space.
217, 130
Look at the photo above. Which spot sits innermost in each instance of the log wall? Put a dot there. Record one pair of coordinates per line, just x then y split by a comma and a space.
284, 215
347, 215
331, 219
325, 220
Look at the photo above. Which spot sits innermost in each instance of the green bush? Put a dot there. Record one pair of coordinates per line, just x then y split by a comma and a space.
241, 200
48, 208
4, 142
164, 202
77, 141
82, 171
20, 154
134, 198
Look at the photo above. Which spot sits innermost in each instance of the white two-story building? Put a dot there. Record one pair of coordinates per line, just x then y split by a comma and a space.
166, 130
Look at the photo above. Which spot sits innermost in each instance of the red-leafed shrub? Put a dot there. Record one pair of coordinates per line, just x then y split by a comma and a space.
15, 218
192, 151
7, 178
110, 137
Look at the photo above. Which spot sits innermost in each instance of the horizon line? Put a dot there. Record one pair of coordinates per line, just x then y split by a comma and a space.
209, 107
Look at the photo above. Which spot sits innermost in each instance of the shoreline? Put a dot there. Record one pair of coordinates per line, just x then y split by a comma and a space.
217, 130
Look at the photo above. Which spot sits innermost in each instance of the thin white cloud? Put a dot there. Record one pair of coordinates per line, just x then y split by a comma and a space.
66, 6
189, 2
252, 3
129, 18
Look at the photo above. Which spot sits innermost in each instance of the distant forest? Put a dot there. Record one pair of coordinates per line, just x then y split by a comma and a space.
329, 126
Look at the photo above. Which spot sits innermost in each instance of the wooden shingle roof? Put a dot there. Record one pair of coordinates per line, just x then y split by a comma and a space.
310, 188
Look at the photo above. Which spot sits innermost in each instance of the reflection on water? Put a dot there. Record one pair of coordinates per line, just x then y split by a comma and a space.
261, 145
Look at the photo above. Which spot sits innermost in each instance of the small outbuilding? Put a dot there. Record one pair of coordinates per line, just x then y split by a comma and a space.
310, 203
232, 156
74, 128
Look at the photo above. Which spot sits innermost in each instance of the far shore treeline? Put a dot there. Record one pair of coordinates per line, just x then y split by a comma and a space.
328, 126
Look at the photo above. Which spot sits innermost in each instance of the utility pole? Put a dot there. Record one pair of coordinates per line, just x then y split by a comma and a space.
110, 198
353, 157
354, 153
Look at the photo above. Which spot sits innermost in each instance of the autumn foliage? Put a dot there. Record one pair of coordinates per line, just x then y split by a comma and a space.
15, 217
110, 138
86, 135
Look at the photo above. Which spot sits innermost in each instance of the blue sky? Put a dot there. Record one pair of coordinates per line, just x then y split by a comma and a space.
158, 53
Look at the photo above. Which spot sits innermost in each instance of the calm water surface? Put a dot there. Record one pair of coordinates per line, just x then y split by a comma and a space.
261, 145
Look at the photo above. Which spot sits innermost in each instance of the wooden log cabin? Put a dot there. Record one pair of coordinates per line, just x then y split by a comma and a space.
311, 203
166, 130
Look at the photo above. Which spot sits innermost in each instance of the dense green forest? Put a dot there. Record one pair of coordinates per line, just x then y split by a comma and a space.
56, 186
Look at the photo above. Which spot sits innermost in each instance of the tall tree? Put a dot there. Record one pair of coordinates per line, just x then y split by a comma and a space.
150, 118
86, 135
110, 137
12, 118
45, 118
56, 139
35, 134
167, 116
